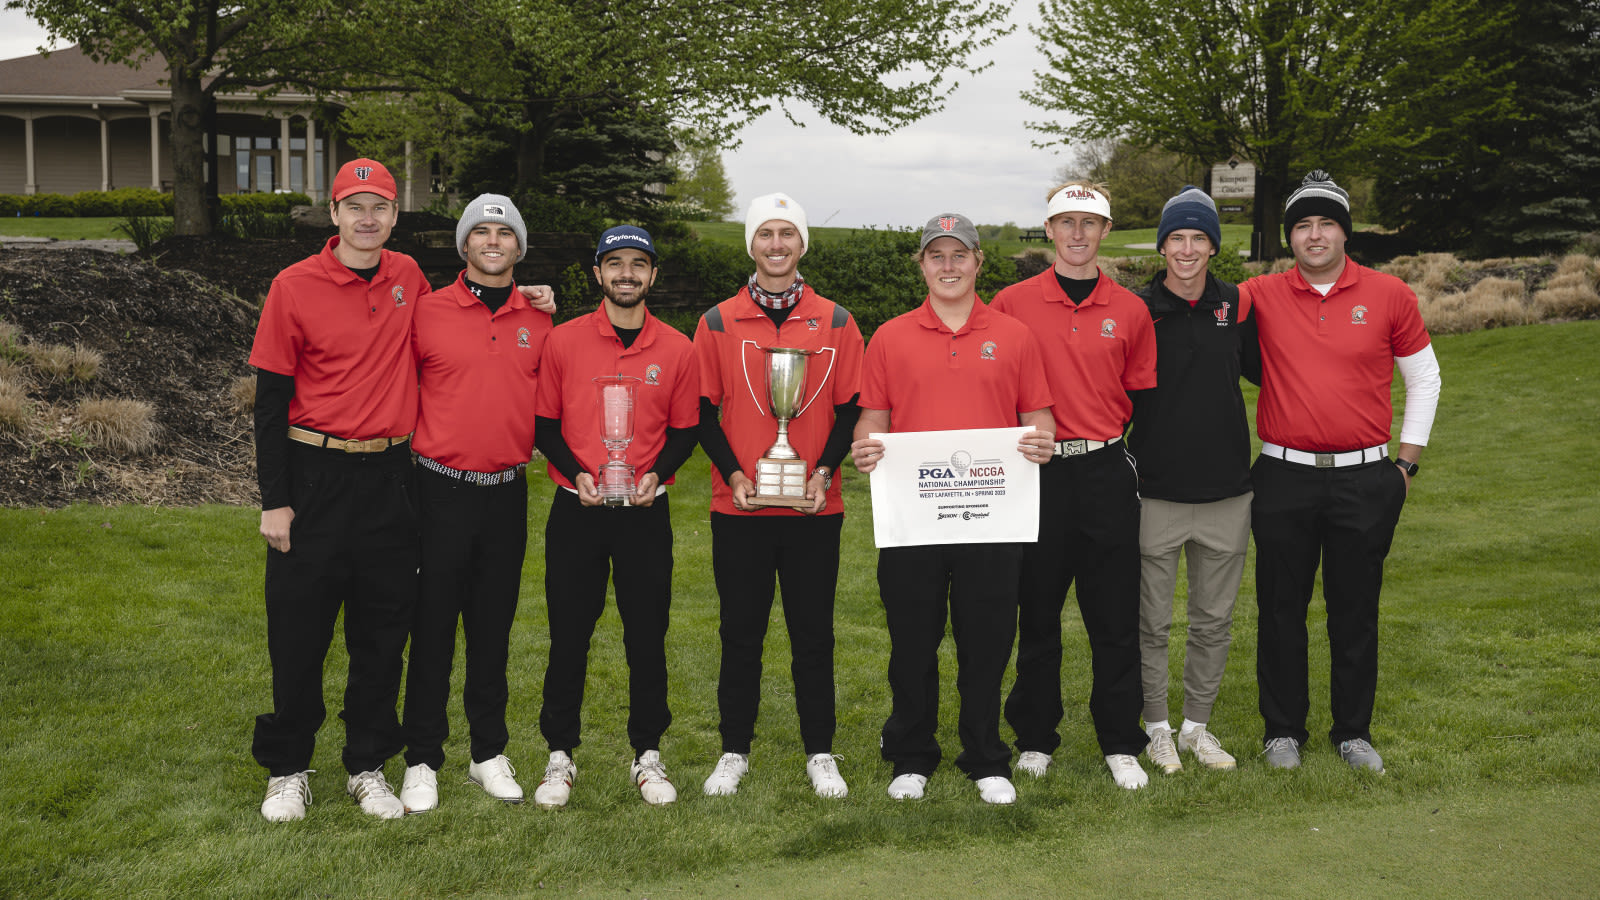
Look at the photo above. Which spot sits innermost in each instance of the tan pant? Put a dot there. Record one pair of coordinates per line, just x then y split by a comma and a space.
1215, 537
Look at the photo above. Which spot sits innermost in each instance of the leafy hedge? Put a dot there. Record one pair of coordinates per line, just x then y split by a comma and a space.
131, 202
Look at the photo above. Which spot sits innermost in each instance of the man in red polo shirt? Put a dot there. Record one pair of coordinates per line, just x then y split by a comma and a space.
1331, 334
952, 363
477, 346
588, 542
1098, 344
336, 402
754, 548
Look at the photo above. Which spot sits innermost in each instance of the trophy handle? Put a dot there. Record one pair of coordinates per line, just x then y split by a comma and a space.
745, 367
832, 355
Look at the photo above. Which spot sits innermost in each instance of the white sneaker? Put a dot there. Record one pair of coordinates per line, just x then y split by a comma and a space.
908, 786
724, 777
1162, 751
823, 768
553, 791
497, 778
420, 791
1034, 763
372, 791
287, 797
997, 789
1206, 748
651, 777
1126, 772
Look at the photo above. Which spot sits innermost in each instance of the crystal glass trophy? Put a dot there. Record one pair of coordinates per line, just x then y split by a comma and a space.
614, 481
781, 473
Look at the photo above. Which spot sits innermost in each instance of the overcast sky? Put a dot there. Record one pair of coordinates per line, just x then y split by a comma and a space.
976, 157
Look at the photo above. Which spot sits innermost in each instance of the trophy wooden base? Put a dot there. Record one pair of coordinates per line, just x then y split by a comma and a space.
780, 482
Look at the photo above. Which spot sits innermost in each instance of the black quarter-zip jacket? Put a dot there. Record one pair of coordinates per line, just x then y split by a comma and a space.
1189, 432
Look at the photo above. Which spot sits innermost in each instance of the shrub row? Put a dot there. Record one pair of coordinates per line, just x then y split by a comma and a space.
130, 202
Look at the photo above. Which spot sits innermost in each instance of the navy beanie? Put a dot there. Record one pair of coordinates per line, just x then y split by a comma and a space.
1190, 208
1317, 196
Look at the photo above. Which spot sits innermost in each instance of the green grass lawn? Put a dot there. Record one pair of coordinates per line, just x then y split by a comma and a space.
65, 229
133, 659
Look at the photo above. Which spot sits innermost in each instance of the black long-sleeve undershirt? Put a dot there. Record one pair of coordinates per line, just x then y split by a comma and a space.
677, 449
715, 440
271, 412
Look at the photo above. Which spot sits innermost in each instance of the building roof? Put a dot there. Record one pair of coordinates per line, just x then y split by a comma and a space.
69, 76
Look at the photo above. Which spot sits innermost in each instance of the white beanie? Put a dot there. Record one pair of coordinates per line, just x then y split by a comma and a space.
780, 207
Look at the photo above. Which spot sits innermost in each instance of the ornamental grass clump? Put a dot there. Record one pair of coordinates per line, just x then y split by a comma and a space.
117, 424
66, 364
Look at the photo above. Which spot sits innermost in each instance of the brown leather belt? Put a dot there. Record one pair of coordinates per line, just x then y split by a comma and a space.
328, 441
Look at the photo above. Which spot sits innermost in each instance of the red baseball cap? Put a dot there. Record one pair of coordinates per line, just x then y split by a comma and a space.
363, 176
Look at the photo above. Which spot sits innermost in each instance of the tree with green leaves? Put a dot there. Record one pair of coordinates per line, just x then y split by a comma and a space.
1521, 181
1287, 84
209, 47
701, 186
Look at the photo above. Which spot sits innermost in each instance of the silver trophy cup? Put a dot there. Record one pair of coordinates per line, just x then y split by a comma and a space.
781, 474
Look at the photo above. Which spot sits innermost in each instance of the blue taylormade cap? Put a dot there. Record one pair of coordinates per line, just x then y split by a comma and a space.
624, 237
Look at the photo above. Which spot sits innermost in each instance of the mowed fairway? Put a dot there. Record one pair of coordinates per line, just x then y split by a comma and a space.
133, 660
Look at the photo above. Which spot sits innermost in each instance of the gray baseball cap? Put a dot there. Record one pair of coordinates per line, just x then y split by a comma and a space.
950, 225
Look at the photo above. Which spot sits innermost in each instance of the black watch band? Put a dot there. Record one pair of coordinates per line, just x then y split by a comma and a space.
1410, 468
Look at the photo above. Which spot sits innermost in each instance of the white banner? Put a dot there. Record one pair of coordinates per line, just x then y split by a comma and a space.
954, 487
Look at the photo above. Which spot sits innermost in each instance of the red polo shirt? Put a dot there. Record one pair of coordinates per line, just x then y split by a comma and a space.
478, 373
1095, 352
578, 351
346, 342
930, 378
1327, 363
833, 376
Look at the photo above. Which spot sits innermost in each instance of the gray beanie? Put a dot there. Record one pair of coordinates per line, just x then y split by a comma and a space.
1190, 208
1317, 196
491, 208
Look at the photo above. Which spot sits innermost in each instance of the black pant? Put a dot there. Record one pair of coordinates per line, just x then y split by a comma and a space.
585, 546
1346, 519
749, 556
1088, 533
980, 583
473, 543
353, 543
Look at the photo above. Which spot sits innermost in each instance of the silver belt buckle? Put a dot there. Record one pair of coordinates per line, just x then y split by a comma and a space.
1324, 461
1073, 448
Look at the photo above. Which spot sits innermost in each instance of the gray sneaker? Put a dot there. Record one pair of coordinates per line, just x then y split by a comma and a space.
1360, 755
1282, 753
1162, 751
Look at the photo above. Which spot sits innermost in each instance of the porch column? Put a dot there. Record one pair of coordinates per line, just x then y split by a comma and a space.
155, 149
31, 183
312, 174
283, 152
409, 204
332, 160
105, 153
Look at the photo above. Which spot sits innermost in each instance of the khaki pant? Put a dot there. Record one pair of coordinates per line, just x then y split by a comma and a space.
1214, 536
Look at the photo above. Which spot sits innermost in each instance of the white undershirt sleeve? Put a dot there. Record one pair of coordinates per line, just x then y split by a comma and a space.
1420, 372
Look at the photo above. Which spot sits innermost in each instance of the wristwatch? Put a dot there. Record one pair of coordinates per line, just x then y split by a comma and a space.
826, 473
1408, 467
